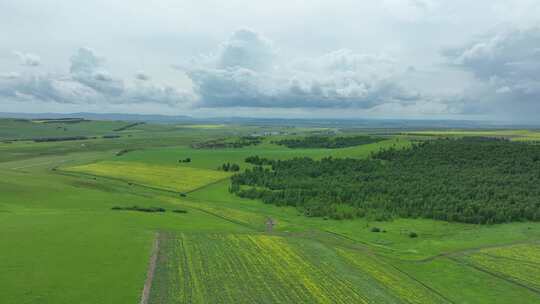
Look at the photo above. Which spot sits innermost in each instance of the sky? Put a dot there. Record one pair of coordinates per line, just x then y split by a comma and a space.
427, 59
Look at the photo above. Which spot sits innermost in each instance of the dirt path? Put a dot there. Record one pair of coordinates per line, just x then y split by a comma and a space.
151, 269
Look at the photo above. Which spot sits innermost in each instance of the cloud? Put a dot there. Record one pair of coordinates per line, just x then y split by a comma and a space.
246, 49
151, 93
509, 54
140, 75
507, 67
88, 82
247, 72
87, 68
47, 88
28, 59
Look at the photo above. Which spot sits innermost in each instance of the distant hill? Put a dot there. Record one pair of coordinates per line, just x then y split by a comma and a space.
403, 124
98, 116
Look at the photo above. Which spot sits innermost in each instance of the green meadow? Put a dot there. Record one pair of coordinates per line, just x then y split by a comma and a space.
61, 241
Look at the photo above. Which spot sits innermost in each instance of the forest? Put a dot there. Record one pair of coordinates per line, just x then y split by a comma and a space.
472, 180
327, 141
244, 141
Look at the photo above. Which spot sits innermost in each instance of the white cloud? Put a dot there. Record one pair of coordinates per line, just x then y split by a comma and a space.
326, 56
87, 68
88, 83
28, 59
246, 49
247, 72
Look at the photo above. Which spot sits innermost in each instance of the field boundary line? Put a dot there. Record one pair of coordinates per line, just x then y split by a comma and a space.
208, 185
161, 191
500, 257
151, 270
90, 175
175, 192
498, 275
431, 289
383, 260
451, 254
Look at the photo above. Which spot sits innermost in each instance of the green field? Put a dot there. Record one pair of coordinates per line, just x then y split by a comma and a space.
518, 135
178, 178
60, 241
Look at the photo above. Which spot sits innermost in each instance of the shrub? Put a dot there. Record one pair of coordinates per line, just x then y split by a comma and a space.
179, 211
141, 209
375, 229
229, 167
413, 234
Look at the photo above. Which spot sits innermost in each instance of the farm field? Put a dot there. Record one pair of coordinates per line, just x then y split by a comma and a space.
178, 178
211, 159
517, 135
220, 268
69, 234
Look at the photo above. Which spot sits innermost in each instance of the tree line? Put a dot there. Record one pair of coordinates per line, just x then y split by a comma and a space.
471, 180
244, 141
327, 142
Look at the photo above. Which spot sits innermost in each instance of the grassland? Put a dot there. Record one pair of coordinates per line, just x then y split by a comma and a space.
60, 242
519, 263
178, 178
517, 135
27, 129
211, 159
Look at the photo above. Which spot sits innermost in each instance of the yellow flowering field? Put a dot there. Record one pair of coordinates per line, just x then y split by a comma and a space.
259, 268
175, 178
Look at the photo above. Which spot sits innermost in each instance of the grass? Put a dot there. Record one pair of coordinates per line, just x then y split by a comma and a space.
515, 263
397, 282
26, 129
463, 284
517, 135
220, 268
61, 242
211, 158
435, 237
179, 178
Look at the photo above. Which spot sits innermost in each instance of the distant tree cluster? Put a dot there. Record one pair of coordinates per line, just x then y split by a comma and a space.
472, 180
137, 208
228, 167
185, 160
111, 136
60, 120
258, 161
123, 151
129, 126
146, 209
66, 138
327, 142
241, 142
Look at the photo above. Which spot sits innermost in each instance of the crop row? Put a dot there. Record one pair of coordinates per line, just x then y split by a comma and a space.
254, 269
